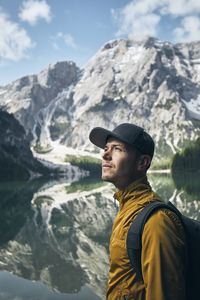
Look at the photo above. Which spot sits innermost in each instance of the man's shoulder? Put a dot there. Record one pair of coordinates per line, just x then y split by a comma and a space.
164, 222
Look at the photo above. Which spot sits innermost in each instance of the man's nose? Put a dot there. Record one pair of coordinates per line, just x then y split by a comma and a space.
107, 154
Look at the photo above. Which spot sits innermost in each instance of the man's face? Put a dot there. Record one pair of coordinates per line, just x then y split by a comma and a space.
119, 163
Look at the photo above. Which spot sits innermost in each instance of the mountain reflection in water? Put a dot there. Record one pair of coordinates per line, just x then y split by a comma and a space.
54, 236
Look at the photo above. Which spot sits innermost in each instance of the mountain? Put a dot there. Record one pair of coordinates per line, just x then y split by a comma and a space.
17, 160
151, 83
39, 101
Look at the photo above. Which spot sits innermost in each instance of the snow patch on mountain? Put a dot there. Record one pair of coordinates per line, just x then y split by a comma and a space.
193, 107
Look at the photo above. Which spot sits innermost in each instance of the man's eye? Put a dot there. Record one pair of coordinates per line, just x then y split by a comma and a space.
118, 148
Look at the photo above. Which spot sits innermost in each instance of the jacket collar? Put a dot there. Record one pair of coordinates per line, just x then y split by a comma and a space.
135, 189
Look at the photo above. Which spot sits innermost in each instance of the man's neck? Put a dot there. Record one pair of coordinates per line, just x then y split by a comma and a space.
124, 185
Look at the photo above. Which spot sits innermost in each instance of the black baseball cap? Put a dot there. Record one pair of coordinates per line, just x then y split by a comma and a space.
130, 134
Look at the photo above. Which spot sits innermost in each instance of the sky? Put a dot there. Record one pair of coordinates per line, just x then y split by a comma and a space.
35, 33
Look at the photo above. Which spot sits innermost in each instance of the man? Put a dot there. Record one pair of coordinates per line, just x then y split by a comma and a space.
128, 151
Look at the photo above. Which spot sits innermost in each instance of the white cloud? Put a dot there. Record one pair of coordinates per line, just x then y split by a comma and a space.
141, 18
137, 19
14, 41
32, 11
181, 7
189, 30
67, 38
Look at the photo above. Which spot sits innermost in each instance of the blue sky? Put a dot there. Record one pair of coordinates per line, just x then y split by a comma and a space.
35, 33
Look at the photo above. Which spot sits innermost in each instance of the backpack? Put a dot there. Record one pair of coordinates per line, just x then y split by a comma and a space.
192, 232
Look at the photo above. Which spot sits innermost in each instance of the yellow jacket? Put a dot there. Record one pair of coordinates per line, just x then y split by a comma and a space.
163, 250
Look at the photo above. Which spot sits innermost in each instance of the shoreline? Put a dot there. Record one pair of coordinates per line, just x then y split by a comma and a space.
165, 171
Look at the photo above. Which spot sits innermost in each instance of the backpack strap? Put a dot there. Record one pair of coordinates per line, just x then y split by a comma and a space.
134, 236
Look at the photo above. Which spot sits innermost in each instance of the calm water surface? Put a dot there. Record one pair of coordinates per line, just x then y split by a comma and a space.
54, 235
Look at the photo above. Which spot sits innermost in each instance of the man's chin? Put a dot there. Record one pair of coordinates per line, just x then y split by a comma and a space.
107, 178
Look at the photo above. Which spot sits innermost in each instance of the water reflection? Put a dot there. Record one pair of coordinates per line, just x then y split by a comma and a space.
188, 181
55, 235
15, 207
9, 284
183, 190
62, 237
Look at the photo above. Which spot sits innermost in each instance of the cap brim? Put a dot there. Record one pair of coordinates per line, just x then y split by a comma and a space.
98, 136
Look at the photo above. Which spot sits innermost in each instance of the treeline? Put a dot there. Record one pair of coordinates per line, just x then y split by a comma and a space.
188, 159
87, 163
186, 168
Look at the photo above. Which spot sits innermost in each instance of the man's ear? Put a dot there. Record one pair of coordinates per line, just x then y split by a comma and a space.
144, 162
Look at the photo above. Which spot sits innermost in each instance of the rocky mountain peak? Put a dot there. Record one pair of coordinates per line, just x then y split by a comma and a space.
64, 72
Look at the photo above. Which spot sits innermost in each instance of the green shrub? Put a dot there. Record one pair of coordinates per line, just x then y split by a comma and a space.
87, 163
41, 150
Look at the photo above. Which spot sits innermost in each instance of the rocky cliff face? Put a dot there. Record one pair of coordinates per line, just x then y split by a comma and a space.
16, 158
151, 83
41, 101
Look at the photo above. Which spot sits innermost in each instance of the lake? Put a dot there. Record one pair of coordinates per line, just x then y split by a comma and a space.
54, 235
